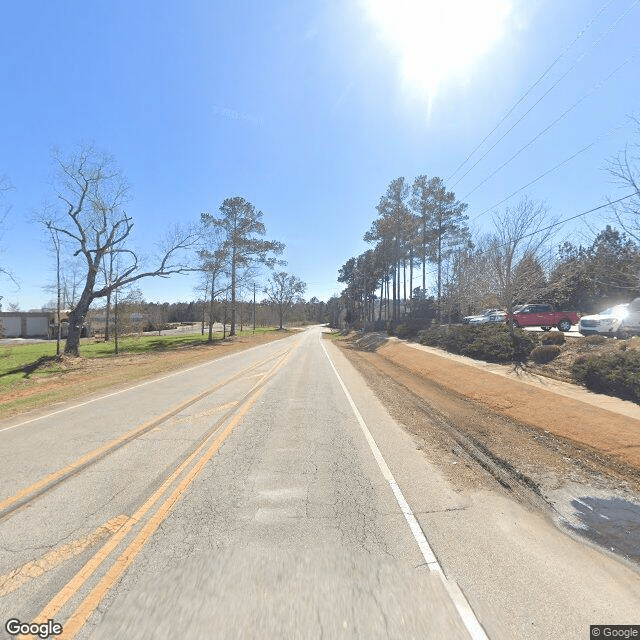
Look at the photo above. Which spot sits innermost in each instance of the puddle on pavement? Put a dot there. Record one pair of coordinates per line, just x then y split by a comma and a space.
612, 523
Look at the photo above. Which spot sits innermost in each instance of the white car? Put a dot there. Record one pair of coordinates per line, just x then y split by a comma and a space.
621, 320
487, 316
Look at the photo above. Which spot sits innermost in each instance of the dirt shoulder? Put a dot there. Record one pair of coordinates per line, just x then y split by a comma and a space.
540, 403
511, 432
534, 375
75, 378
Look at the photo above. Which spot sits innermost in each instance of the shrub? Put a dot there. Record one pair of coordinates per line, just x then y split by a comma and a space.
409, 327
402, 331
616, 374
389, 328
377, 325
545, 353
589, 342
493, 343
158, 326
553, 337
449, 338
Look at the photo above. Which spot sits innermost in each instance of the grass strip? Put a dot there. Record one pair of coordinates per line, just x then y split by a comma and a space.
32, 377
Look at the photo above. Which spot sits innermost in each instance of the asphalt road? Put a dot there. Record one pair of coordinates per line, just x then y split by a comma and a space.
269, 494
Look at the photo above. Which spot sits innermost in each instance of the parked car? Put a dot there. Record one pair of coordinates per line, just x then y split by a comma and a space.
620, 321
487, 316
543, 316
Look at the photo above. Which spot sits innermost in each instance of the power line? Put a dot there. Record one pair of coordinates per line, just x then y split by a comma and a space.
579, 215
512, 127
533, 86
553, 86
561, 222
546, 173
558, 119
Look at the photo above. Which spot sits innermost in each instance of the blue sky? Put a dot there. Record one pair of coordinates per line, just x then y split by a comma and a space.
308, 110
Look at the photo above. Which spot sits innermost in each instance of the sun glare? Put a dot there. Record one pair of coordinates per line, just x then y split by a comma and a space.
438, 41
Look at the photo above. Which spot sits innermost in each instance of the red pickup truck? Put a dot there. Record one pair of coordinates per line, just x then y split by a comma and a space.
543, 316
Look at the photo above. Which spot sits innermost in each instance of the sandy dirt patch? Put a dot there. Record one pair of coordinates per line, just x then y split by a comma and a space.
547, 450
603, 430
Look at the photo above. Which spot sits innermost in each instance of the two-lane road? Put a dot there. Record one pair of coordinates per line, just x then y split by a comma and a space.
269, 494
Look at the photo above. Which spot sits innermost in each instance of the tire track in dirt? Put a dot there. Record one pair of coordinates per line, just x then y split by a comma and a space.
479, 447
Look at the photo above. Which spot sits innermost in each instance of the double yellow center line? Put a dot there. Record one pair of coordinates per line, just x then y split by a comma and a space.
47, 483
127, 556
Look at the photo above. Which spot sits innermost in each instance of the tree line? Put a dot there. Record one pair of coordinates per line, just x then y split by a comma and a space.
426, 261
135, 315
90, 233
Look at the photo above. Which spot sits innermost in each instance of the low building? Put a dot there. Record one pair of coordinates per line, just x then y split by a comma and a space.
37, 324
26, 324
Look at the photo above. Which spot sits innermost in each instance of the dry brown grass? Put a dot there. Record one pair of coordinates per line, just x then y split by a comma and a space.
560, 367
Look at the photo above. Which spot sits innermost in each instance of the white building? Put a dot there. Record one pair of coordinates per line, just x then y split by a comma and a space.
26, 324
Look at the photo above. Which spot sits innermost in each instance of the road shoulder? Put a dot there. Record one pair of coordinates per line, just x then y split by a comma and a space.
496, 548
605, 424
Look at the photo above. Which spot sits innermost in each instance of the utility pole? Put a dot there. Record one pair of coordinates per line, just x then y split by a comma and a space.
364, 319
58, 291
56, 243
254, 308
224, 321
115, 323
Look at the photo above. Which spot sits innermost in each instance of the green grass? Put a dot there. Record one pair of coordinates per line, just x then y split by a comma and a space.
14, 358
18, 362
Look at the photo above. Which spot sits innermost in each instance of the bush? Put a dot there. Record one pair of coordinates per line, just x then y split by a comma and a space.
616, 374
377, 325
589, 342
409, 327
554, 337
449, 338
493, 343
157, 326
545, 353
389, 328
402, 331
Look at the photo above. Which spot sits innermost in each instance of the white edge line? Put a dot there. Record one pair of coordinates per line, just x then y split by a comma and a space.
137, 386
459, 600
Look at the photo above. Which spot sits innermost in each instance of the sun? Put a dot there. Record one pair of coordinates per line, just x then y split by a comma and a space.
438, 41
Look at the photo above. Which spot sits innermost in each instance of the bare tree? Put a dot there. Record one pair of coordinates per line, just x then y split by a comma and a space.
625, 170
473, 283
158, 315
283, 289
68, 278
107, 274
127, 313
517, 248
94, 191
5, 186
71, 280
